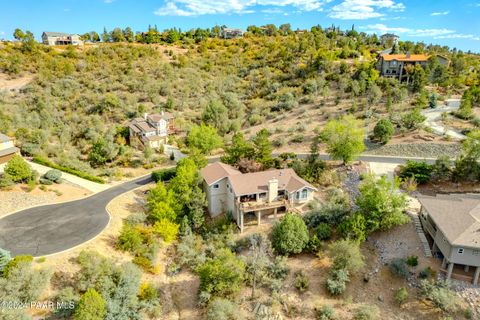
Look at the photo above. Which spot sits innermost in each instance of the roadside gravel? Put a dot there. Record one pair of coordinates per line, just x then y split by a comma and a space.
427, 150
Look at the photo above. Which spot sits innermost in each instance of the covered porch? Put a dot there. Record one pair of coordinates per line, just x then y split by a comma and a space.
251, 212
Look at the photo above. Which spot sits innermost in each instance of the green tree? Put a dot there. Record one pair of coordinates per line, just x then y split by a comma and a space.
239, 149
344, 138
117, 35
216, 115
381, 204
128, 34
432, 100
263, 148
105, 35
290, 235
162, 203
413, 119
383, 130
102, 152
91, 306
18, 169
222, 275
18, 34
419, 79
204, 138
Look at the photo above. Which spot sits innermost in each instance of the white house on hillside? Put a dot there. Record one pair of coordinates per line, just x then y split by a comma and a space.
151, 130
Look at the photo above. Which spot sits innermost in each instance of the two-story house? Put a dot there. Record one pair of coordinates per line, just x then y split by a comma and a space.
453, 223
7, 148
264, 192
60, 38
396, 65
152, 130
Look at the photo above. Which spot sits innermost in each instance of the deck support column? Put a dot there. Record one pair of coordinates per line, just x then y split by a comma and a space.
450, 269
476, 276
241, 221
466, 268
444, 263
259, 216
275, 213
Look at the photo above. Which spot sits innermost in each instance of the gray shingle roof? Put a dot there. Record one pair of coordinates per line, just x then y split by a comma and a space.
56, 34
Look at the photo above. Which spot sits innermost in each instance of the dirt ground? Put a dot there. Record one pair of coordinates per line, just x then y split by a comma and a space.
19, 198
8, 83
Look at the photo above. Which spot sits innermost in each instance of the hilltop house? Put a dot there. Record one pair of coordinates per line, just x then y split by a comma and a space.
395, 65
60, 38
257, 193
230, 33
453, 223
7, 148
152, 130
389, 39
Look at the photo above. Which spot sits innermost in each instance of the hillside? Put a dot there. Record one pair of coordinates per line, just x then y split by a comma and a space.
290, 83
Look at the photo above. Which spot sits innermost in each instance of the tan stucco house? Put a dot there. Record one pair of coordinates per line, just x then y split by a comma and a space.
264, 192
7, 148
453, 222
60, 38
152, 130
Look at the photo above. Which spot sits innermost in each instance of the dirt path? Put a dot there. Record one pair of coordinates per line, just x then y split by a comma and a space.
8, 84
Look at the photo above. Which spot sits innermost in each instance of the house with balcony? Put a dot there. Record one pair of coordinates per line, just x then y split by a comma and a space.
255, 193
397, 65
452, 222
7, 148
152, 130
60, 38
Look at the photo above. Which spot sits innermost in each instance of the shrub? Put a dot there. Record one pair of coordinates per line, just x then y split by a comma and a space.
13, 263
413, 119
326, 312
223, 309
163, 174
421, 171
412, 261
301, 282
130, 238
5, 258
383, 130
45, 182
468, 313
136, 218
337, 281
75, 172
18, 169
366, 312
401, 296
440, 295
147, 292
290, 235
166, 229
222, 275
53, 175
314, 244
323, 231
143, 262
398, 267
346, 255
91, 306
6, 182
426, 273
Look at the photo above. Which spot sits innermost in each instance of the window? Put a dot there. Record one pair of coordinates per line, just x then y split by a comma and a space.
304, 193
297, 195
476, 252
216, 186
460, 250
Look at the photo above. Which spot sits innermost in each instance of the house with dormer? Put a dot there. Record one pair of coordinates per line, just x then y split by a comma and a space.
152, 130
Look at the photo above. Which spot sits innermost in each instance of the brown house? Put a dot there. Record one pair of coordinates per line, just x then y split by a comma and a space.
396, 65
7, 148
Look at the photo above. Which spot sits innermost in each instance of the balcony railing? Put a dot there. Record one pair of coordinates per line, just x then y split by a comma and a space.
257, 205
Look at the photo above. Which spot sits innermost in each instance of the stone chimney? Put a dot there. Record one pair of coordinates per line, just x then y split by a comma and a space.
145, 115
272, 189
408, 55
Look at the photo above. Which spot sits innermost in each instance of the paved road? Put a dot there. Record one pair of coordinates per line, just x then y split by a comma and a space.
53, 228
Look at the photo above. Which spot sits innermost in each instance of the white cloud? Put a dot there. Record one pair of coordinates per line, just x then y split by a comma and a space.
364, 9
187, 8
459, 36
381, 28
444, 13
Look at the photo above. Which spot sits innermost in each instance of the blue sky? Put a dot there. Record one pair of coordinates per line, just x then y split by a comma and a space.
451, 22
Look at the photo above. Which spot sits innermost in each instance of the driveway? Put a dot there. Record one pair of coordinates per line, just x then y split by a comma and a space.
434, 115
53, 228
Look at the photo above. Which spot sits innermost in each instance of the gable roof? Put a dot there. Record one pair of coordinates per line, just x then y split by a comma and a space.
4, 138
457, 216
405, 57
158, 116
216, 171
56, 34
253, 182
